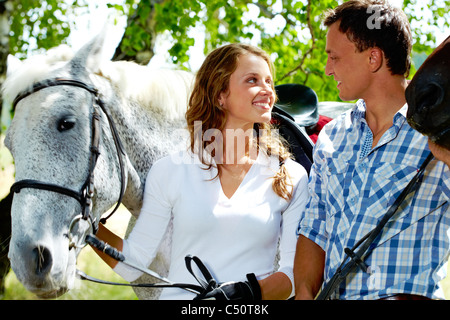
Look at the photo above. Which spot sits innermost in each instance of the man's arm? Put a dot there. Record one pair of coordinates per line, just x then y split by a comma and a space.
308, 269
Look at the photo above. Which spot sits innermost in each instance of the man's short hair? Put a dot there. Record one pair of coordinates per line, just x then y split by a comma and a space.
375, 23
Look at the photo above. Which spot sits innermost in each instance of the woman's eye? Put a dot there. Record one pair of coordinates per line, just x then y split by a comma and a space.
66, 124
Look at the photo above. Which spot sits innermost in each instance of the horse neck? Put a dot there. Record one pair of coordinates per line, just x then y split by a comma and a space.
146, 136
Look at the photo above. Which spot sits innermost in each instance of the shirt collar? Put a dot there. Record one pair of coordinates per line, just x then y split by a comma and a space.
402, 112
359, 112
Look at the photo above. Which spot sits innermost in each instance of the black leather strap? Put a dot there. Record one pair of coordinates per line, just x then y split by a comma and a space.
208, 282
84, 276
34, 184
256, 288
51, 83
117, 255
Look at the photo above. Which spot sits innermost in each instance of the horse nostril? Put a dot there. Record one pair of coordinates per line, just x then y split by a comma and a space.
42, 259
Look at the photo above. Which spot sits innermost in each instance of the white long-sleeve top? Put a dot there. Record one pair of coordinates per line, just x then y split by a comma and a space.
232, 237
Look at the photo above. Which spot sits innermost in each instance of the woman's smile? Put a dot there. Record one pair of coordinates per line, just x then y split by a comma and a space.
263, 104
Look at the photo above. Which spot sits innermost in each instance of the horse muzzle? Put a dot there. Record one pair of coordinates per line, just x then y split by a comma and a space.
41, 270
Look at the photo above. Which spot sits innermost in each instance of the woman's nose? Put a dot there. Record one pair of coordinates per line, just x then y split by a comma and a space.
268, 89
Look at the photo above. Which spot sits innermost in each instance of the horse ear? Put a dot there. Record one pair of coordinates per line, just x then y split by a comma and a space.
90, 56
12, 64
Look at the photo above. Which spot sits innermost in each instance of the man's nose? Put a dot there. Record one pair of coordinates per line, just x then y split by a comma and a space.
329, 68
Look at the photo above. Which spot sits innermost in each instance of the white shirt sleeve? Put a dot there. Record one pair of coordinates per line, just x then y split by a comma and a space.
143, 241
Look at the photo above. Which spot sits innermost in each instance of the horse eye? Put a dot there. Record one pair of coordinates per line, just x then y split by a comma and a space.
66, 124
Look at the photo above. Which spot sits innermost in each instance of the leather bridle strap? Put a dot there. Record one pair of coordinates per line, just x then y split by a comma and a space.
120, 153
51, 83
34, 184
166, 283
186, 286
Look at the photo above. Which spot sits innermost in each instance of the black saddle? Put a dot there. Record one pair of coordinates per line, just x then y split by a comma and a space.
296, 109
299, 142
300, 102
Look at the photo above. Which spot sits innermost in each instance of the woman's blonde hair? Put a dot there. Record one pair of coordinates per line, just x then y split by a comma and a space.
212, 79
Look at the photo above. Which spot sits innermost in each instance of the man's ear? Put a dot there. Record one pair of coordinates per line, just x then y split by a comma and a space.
376, 58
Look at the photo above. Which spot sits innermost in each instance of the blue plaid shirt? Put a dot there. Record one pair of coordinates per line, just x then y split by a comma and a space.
351, 188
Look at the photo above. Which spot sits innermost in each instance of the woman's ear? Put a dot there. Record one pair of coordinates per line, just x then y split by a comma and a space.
376, 58
221, 100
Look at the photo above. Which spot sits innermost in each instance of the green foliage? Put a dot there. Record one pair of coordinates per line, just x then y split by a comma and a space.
295, 37
299, 49
297, 45
45, 22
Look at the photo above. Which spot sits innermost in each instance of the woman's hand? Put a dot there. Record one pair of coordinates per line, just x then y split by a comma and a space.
243, 290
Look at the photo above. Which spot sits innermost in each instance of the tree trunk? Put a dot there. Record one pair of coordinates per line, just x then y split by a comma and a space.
144, 55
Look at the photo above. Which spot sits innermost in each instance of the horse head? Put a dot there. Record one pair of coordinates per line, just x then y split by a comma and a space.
51, 139
428, 97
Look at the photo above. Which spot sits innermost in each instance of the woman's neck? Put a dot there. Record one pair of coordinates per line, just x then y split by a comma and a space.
240, 146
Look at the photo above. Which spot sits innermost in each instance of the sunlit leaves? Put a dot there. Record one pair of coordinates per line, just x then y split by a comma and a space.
290, 30
39, 24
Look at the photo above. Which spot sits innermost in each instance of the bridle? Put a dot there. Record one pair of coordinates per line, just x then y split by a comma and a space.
85, 195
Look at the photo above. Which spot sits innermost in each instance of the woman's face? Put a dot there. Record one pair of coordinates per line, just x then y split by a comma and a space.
250, 96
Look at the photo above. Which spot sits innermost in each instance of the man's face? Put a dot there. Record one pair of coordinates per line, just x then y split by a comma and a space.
349, 67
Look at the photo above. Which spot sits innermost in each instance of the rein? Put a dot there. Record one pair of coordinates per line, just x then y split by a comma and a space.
85, 195
207, 284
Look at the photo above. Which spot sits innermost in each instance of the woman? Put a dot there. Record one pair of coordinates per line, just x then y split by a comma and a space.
236, 195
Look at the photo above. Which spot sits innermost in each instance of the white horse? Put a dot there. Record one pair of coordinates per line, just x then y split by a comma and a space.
50, 139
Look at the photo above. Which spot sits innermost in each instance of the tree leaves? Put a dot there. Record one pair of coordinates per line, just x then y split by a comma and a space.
39, 24
290, 30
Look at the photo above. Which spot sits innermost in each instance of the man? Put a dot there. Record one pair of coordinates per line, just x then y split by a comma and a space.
362, 162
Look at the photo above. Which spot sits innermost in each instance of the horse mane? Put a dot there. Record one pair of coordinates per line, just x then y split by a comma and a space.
162, 90
32, 70
166, 90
